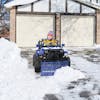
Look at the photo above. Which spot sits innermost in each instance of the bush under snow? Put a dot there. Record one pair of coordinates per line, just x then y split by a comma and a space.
18, 82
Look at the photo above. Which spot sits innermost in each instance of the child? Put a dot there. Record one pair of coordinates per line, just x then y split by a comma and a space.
50, 35
50, 41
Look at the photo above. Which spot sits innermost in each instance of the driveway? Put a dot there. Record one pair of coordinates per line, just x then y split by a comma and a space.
88, 62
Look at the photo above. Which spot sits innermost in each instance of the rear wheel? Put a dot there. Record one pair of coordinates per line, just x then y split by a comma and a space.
37, 63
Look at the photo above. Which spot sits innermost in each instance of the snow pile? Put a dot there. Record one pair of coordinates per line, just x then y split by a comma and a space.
7, 50
67, 74
17, 82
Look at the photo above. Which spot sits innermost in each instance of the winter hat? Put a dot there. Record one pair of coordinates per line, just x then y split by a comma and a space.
50, 33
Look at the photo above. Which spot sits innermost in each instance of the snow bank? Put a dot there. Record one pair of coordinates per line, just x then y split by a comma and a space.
67, 74
17, 82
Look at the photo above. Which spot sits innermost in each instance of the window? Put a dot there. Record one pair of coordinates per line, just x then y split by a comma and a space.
57, 5
41, 6
25, 8
86, 9
73, 7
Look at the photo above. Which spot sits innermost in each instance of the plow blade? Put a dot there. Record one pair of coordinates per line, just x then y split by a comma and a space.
48, 68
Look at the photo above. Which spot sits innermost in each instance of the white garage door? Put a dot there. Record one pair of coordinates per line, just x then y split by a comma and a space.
77, 30
32, 28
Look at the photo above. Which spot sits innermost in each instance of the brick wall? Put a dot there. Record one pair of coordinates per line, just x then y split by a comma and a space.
13, 24
98, 28
58, 27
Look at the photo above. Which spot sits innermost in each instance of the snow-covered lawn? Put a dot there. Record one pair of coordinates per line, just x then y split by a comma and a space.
19, 82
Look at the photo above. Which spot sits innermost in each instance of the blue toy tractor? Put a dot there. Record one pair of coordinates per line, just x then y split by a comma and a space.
49, 56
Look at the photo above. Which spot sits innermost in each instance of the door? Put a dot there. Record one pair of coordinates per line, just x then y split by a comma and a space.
32, 28
77, 30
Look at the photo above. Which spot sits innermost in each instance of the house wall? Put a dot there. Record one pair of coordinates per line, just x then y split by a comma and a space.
98, 28
16, 24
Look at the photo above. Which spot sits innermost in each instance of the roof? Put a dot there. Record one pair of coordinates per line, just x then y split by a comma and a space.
18, 2
23, 2
89, 4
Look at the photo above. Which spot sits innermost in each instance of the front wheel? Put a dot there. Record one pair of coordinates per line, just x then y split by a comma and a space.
68, 60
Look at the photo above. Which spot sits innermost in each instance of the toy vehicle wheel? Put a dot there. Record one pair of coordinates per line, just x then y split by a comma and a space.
37, 69
37, 66
34, 59
37, 63
68, 60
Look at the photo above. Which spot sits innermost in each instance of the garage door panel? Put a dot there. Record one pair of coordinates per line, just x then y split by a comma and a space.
32, 28
77, 30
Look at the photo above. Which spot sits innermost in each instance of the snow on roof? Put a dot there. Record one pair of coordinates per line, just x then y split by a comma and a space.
23, 2
18, 2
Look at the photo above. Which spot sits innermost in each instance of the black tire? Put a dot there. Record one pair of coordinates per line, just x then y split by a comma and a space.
34, 59
37, 64
68, 60
37, 68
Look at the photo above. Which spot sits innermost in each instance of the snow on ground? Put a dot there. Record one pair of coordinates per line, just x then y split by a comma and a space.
71, 75
18, 82
90, 86
90, 68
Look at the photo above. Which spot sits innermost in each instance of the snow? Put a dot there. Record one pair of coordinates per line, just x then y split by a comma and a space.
18, 2
71, 75
18, 82
97, 46
92, 69
92, 72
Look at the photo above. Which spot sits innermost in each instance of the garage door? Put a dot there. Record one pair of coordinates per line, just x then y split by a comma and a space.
32, 28
77, 30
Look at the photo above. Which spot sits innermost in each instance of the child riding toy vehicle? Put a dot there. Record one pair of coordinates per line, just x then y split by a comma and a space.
49, 56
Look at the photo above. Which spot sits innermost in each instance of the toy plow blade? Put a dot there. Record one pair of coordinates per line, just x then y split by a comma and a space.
48, 68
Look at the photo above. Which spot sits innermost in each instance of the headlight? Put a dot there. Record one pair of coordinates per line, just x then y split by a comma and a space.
46, 51
66, 54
